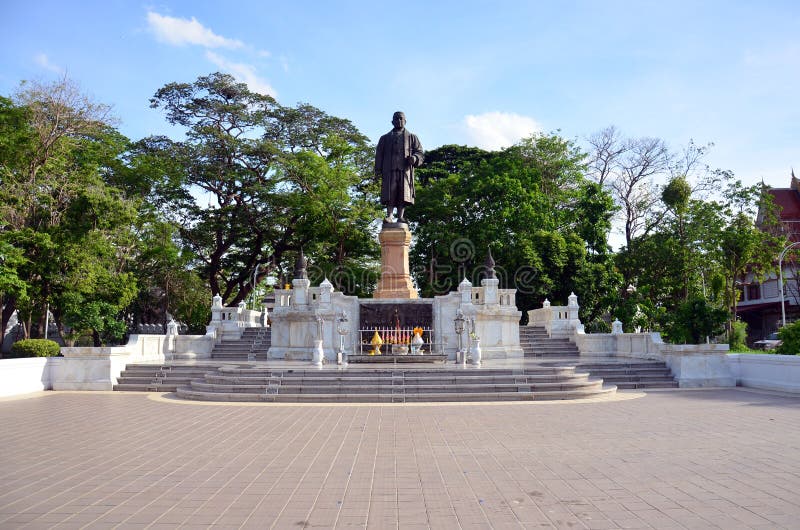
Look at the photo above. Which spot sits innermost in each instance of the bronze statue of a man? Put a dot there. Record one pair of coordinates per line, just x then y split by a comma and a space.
398, 153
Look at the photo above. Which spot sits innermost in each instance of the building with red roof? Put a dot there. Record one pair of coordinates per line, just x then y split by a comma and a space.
760, 301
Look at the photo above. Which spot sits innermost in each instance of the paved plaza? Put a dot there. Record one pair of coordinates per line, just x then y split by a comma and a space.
667, 459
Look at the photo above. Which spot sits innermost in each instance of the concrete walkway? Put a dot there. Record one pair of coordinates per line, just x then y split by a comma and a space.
672, 459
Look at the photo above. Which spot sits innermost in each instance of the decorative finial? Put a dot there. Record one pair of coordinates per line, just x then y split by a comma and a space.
300, 266
490, 274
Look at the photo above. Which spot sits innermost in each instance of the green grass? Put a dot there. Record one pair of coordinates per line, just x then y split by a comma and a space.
758, 352
745, 349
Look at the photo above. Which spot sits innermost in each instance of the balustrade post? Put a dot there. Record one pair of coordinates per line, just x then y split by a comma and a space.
572, 308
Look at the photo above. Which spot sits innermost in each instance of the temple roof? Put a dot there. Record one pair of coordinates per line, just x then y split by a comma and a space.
788, 202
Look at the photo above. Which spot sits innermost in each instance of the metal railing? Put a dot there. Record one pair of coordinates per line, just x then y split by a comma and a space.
395, 341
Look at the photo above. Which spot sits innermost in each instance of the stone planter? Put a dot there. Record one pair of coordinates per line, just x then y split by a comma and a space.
475, 351
319, 353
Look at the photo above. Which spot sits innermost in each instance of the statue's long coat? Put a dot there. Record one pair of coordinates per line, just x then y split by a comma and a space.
383, 166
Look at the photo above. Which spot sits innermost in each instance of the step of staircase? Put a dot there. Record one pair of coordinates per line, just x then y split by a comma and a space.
634, 374
631, 375
253, 345
159, 378
536, 343
397, 385
395, 397
221, 382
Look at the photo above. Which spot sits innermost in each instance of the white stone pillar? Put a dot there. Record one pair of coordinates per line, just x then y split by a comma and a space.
325, 292
465, 288
172, 335
572, 308
490, 292
318, 353
240, 314
216, 308
300, 291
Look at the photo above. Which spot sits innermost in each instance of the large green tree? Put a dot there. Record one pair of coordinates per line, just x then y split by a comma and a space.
254, 182
58, 209
169, 285
691, 262
546, 224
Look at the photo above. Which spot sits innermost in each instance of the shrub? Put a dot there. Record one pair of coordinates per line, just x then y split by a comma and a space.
790, 335
35, 348
736, 339
694, 320
597, 326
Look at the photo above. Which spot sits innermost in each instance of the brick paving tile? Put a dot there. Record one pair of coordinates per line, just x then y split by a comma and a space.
679, 459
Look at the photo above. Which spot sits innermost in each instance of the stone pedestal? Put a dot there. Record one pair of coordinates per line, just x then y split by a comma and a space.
395, 279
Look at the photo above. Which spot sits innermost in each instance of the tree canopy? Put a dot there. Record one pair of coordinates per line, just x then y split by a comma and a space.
546, 224
254, 182
65, 228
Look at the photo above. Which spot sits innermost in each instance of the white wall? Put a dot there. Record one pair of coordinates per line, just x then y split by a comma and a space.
22, 376
94, 368
699, 365
98, 368
766, 371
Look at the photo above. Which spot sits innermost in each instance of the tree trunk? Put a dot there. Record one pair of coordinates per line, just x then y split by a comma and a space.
43, 323
8, 310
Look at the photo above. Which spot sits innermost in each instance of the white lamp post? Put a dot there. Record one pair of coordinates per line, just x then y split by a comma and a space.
780, 278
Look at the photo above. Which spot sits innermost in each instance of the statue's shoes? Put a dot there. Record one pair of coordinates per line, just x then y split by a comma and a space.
402, 220
388, 220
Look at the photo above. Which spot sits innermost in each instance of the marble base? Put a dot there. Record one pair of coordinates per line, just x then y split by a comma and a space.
395, 281
397, 359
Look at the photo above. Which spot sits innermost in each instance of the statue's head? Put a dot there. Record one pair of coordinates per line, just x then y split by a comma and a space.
398, 120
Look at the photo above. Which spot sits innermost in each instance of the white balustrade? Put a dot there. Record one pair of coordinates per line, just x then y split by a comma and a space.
477, 295
508, 297
559, 321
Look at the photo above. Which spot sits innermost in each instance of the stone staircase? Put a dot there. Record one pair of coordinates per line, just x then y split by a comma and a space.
253, 345
634, 374
160, 378
536, 343
252, 383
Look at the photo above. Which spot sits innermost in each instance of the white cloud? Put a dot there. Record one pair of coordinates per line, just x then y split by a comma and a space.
497, 130
44, 61
243, 72
181, 31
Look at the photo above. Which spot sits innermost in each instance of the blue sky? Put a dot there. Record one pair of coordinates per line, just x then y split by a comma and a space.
465, 72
